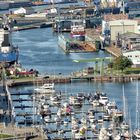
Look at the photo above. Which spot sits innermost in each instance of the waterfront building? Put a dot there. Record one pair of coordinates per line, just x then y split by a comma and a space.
121, 27
130, 41
134, 56
111, 17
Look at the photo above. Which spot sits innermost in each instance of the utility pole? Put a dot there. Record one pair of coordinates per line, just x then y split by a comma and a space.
123, 7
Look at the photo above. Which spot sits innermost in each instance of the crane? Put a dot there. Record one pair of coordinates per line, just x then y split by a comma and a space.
96, 60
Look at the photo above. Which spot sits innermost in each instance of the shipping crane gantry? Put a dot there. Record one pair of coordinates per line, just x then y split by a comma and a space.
98, 68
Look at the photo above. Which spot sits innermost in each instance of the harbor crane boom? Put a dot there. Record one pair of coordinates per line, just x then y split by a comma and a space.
96, 60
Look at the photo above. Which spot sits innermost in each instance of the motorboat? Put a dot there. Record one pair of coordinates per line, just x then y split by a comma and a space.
103, 134
55, 99
91, 116
100, 119
83, 120
127, 135
136, 134
124, 125
110, 107
74, 128
79, 136
94, 127
74, 121
95, 103
107, 117
117, 137
46, 88
47, 119
74, 101
103, 99
45, 106
118, 113
80, 96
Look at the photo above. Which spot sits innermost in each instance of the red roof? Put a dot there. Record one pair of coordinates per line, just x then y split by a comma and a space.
110, 17
24, 73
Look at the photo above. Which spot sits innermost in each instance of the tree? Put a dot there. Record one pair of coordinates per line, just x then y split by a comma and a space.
122, 62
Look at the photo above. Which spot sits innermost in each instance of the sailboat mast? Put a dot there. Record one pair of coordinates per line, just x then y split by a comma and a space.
137, 110
124, 106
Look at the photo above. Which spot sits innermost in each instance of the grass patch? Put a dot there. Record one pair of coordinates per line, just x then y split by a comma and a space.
132, 71
5, 136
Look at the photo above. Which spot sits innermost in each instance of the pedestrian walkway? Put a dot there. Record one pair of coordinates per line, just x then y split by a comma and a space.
20, 132
114, 50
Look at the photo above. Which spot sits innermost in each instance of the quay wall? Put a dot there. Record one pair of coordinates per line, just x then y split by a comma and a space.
69, 79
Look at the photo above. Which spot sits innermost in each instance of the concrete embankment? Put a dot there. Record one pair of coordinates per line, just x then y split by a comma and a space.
33, 26
7, 126
68, 79
25, 23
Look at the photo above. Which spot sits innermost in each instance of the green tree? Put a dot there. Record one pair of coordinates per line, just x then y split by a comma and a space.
121, 63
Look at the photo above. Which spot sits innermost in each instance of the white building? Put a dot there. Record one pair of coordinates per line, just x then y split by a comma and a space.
109, 3
24, 10
134, 56
122, 26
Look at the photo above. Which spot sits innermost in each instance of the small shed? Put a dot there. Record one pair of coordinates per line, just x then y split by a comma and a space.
24, 10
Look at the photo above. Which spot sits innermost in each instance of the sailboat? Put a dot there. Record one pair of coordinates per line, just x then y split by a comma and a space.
136, 133
124, 124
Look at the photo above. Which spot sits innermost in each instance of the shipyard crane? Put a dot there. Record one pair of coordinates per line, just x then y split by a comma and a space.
96, 60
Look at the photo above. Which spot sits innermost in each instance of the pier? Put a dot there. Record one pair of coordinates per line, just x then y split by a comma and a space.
115, 51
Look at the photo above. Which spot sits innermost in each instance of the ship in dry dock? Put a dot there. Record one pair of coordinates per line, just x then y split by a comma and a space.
77, 40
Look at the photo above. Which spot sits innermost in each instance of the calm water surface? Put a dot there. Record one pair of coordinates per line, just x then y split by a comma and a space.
39, 50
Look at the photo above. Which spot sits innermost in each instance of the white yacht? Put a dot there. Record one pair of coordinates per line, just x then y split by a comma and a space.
46, 88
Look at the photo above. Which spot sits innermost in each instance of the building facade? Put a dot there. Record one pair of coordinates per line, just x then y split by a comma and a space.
122, 26
134, 56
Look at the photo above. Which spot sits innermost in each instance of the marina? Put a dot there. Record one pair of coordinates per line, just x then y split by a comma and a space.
97, 110
26, 115
55, 91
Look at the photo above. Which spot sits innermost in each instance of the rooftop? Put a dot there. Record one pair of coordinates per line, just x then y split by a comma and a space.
110, 17
130, 35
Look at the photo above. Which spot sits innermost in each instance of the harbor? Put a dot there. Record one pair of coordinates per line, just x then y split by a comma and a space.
66, 88
71, 74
